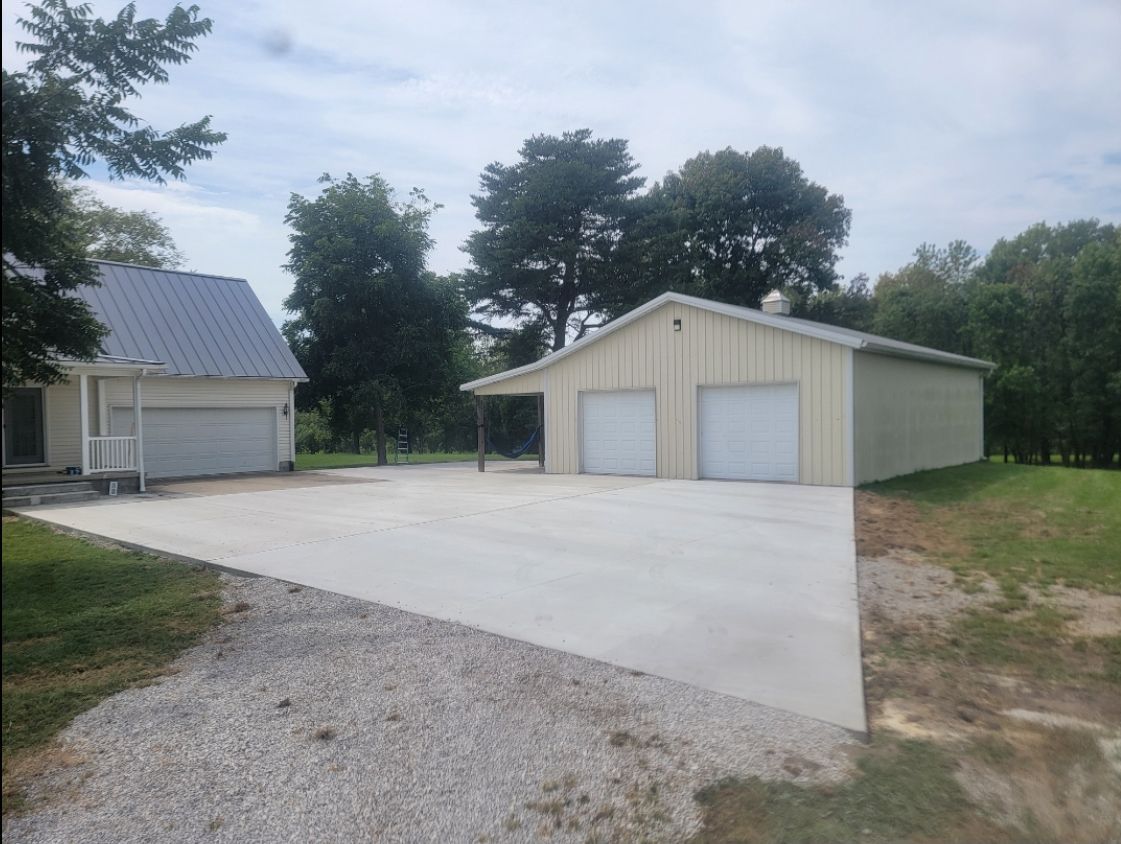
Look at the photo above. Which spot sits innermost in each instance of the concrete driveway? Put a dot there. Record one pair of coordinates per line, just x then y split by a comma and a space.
741, 588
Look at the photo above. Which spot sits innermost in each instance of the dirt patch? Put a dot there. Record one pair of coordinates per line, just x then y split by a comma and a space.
903, 591
885, 525
1093, 614
1037, 755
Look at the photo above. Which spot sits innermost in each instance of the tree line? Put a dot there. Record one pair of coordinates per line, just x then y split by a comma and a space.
1045, 306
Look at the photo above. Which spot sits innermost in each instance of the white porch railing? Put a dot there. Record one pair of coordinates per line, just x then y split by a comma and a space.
112, 454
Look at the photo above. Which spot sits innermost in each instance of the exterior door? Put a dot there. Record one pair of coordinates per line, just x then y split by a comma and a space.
617, 433
25, 441
749, 433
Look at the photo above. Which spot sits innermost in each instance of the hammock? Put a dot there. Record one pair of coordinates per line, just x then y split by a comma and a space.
520, 450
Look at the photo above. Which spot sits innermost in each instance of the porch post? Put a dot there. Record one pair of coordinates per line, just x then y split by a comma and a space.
84, 420
541, 430
137, 423
481, 426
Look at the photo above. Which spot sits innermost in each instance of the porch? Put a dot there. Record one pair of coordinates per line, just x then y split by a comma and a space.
56, 433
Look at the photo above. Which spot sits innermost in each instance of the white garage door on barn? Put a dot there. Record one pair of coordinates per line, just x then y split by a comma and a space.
749, 433
183, 441
617, 433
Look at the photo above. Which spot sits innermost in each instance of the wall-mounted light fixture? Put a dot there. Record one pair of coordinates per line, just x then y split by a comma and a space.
677, 325
284, 410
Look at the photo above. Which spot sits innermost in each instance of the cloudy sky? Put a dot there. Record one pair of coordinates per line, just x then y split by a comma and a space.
934, 120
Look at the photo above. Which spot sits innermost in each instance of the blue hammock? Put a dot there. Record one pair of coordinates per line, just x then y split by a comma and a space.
520, 450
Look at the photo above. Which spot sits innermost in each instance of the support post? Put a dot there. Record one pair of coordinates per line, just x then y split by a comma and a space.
541, 430
138, 424
481, 426
84, 420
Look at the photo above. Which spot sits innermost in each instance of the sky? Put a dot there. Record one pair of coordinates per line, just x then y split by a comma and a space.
935, 120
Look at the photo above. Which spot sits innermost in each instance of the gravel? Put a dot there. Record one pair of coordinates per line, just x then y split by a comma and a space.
312, 716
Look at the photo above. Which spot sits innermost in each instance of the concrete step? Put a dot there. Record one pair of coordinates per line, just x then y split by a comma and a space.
23, 490
50, 498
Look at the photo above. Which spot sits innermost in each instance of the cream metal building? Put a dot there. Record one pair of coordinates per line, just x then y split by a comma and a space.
688, 388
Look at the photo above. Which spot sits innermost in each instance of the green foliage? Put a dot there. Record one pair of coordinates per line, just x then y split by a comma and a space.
379, 336
1045, 306
82, 622
732, 226
925, 301
62, 113
545, 256
851, 306
131, 237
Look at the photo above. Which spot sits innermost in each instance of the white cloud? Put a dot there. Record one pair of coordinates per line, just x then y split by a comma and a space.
936, 121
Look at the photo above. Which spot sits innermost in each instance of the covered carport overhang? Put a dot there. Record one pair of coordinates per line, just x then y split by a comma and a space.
515, 382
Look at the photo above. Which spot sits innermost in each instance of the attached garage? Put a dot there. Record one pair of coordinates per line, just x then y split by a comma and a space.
688, 388
186, 441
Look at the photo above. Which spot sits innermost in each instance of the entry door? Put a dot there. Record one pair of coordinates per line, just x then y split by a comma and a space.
749, 433
184, 441
24, 436
617, 433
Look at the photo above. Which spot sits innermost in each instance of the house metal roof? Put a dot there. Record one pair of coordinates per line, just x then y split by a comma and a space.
195, 324
842, 336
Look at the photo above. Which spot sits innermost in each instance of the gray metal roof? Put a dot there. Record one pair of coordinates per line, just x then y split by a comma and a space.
195, 324
843, 336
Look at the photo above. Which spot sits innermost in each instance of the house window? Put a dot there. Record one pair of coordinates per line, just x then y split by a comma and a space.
24, 435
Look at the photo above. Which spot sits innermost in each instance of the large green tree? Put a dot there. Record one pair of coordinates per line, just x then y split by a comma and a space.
376, 332
546, 255
925, 301
113, 234
66, 110
1043, 306
731, 226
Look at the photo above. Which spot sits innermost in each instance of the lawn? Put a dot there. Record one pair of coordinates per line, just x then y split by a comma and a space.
346, 461
1024, 524
82, 622
947, 760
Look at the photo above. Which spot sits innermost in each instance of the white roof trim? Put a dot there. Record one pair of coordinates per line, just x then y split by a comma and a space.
851, 339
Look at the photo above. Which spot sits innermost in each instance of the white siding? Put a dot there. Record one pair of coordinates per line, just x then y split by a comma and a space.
710, 349
911, 415
182, 391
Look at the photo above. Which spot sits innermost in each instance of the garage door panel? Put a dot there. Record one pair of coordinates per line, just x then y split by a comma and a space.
749, 432
180, 442
617, 433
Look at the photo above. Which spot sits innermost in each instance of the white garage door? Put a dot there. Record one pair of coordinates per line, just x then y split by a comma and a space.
183, 441
617, 432
749, 433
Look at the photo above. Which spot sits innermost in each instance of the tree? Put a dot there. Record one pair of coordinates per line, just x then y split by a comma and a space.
65, 111
925, 301
1037, 270
551, 228
132, 237
850, 306
373, 329
732, 226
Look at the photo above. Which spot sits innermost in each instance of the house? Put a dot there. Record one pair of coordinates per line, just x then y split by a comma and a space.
687, 388
193, 379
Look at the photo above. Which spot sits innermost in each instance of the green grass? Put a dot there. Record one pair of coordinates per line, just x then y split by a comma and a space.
905, 791
82, 622
345, 461
1023, 524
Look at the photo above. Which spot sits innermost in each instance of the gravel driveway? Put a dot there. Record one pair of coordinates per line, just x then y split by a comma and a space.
311, 716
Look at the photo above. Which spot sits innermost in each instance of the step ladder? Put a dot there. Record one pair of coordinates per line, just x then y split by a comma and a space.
402, 455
